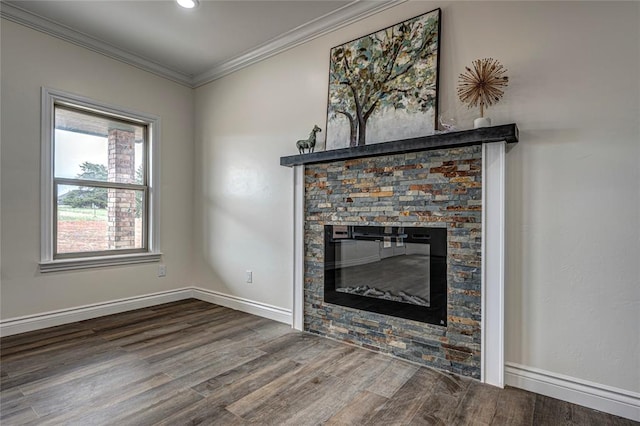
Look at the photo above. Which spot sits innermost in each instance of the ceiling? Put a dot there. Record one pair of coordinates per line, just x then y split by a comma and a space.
190, 46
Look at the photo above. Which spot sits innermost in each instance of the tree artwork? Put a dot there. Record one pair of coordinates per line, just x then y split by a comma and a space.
388, 78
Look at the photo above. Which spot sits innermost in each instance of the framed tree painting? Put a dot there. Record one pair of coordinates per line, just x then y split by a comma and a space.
384, 86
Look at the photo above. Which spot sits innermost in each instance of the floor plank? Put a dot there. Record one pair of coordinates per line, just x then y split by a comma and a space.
478, 406
191, 362
515, 407
393, 378
549, 412
445, 396
360, 410
403, 406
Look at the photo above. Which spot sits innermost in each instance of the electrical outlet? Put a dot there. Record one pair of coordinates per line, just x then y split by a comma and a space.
249, 276
162, 270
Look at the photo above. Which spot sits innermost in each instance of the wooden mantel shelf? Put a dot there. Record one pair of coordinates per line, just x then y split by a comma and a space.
506, 132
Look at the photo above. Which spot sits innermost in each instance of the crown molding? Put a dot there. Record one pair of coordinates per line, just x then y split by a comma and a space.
18, 15
354, 11
337, 19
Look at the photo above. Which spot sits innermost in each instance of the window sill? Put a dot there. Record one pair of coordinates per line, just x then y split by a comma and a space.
98, 262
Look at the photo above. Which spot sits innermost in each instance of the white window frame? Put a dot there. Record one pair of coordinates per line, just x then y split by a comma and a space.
48, 263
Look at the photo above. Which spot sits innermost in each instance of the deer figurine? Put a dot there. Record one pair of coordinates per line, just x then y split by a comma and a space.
308, 144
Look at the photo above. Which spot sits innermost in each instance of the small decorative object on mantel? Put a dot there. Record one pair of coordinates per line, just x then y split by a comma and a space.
448, 122
482, 86
308, 144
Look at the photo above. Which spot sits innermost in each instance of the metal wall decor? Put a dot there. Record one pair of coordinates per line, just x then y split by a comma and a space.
483, 85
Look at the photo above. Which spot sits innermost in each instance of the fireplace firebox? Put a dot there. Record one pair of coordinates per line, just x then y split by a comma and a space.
397, 271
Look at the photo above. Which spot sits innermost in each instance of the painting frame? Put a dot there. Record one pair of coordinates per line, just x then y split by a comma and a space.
384, 86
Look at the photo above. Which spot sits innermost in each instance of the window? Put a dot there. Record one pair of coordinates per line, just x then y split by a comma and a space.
99, 184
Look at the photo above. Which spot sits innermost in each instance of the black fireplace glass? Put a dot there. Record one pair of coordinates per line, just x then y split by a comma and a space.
397, 271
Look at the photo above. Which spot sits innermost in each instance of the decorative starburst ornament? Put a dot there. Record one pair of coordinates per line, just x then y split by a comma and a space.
483, 84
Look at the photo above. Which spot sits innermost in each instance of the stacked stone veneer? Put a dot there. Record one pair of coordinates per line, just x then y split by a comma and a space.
439, 188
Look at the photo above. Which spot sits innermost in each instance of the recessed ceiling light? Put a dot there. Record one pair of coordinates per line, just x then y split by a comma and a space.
188, 4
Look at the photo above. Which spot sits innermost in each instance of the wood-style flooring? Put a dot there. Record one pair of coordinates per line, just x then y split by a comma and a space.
191, 362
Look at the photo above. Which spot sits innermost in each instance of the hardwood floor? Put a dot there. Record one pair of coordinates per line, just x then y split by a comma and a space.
191, 362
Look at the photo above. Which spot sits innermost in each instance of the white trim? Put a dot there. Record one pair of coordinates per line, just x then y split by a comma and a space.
26, 323
154, 155
98, 262
604, 398
49, 97
493, 249
14, 13
350, 13
298, 247
245, 305
347, 15
46, 175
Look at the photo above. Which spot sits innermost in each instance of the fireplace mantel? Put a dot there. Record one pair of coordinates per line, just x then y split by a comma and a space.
507, 133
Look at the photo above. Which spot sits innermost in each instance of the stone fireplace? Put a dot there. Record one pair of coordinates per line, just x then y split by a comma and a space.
438, 189
435, 183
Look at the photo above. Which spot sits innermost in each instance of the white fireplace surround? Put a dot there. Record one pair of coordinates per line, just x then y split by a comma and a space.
493, 241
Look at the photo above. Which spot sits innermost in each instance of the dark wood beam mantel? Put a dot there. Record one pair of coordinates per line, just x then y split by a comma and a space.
506, 132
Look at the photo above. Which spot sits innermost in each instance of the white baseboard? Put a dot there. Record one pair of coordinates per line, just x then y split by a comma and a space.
604, 398
23, 324
245, 305
27, 323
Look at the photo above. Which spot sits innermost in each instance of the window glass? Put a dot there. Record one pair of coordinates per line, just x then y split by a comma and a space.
94, 219
91, 147
99, 182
